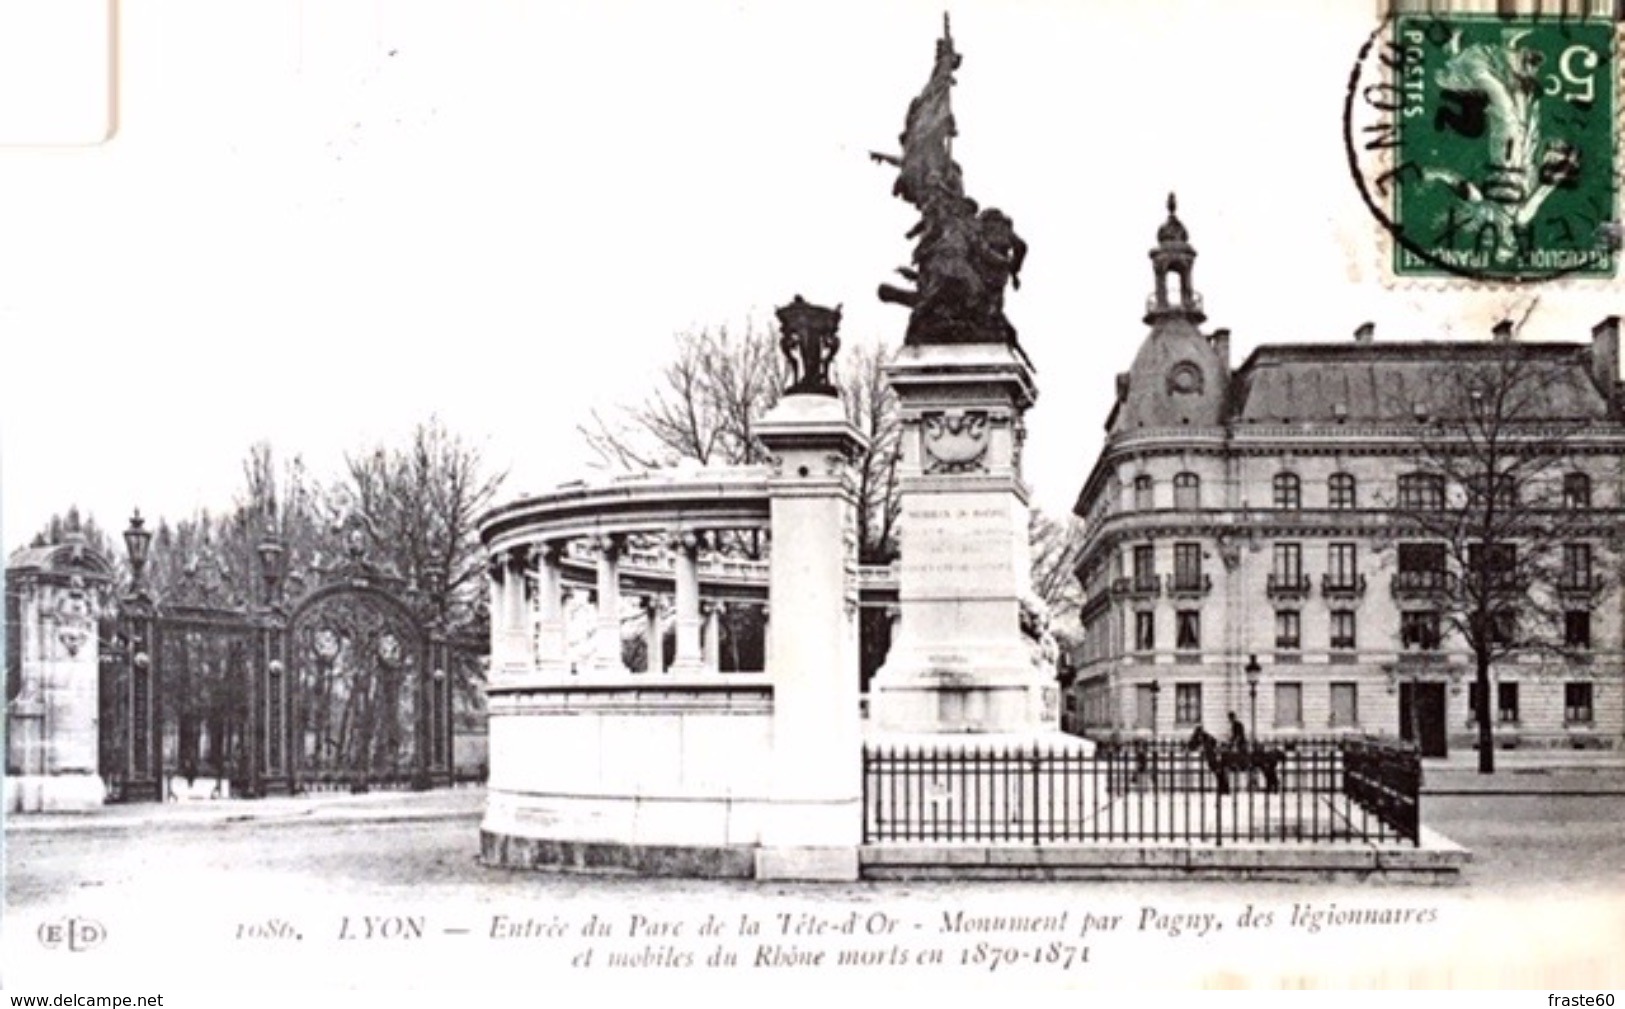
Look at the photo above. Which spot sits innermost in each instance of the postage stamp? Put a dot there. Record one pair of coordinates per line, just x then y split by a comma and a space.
1487, 144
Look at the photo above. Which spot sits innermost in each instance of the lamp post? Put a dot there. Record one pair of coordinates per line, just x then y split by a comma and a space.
138, 541
1156, 688
140, 742
1252, 670
268, 677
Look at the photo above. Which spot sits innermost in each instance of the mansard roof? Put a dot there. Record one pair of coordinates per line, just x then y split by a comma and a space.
1390, 382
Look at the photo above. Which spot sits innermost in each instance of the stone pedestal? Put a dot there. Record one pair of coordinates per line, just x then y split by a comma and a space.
52, 737
816, 820
960, 662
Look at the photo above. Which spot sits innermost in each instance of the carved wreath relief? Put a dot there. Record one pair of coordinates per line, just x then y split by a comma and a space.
74, 619
955, 442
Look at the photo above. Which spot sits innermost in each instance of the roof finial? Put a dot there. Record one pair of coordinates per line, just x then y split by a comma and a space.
1173, 204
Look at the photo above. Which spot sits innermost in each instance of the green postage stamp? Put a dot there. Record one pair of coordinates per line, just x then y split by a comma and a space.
1488, 145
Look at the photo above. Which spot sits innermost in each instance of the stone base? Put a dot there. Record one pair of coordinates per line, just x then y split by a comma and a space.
817, 865
54, 793
954, 702
616, 858
1437, 860
1051, 741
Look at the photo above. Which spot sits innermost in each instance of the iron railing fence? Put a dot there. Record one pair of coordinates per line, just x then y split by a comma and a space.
1348, 791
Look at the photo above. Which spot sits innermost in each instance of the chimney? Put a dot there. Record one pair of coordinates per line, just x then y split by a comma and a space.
1503, 331
1366, 332
1221, 346
1605, 360
1122, 386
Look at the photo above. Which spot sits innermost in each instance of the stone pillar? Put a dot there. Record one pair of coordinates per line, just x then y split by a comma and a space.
552, 644
960, 662
815, 826
688, 659
53, 746
653, 641
607, 636
711, 639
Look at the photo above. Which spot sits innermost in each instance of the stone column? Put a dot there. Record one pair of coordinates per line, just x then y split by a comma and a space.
517, 638
688, 659
815, 825
551, 642
711, 647
607, 637
653, 640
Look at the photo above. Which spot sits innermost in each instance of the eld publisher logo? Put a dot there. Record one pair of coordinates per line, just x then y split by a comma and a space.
73, 934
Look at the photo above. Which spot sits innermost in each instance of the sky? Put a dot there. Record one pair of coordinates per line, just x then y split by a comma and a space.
319, 223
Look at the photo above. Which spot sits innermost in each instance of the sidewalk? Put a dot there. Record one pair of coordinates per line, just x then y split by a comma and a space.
1527, 772
325, 807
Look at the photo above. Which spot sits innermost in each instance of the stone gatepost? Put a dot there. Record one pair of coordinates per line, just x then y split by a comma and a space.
815, 824
52, 734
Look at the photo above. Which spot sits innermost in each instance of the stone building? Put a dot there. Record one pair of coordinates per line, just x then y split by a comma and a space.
1246, 516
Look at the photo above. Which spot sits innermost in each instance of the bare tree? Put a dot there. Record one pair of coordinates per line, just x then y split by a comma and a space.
1056, 546
871, 406
423, 501
704, 406
1498, 508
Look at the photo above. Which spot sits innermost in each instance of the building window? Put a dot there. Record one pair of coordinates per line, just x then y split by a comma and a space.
1189, 629
1145, 707
1142, 493
1421, 491
1145, 631
1342, 566
1340, 490
1577, 702
1145, 567
1577, 629
1187, 491
1288, 491
1343, 630
1506, 701
1345, 704
1576, 490
1506, 491
1577, 567
1494, 565
1286, 630
1421, 566
1504, 628
1288, 566
1419, 629
1188, 566
1187, 704
1288, 704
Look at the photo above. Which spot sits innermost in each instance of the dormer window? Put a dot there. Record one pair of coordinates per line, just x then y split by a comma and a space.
1187, 491
1576, 490
1142, 492
1340, 491
1288, 491
1421, 491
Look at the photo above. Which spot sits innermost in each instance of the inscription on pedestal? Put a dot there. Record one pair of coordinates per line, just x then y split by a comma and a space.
963, 551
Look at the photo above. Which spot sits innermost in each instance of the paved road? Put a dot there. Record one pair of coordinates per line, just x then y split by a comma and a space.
199, 888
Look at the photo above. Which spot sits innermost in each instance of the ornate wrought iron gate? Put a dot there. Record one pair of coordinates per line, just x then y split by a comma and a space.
348, 684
